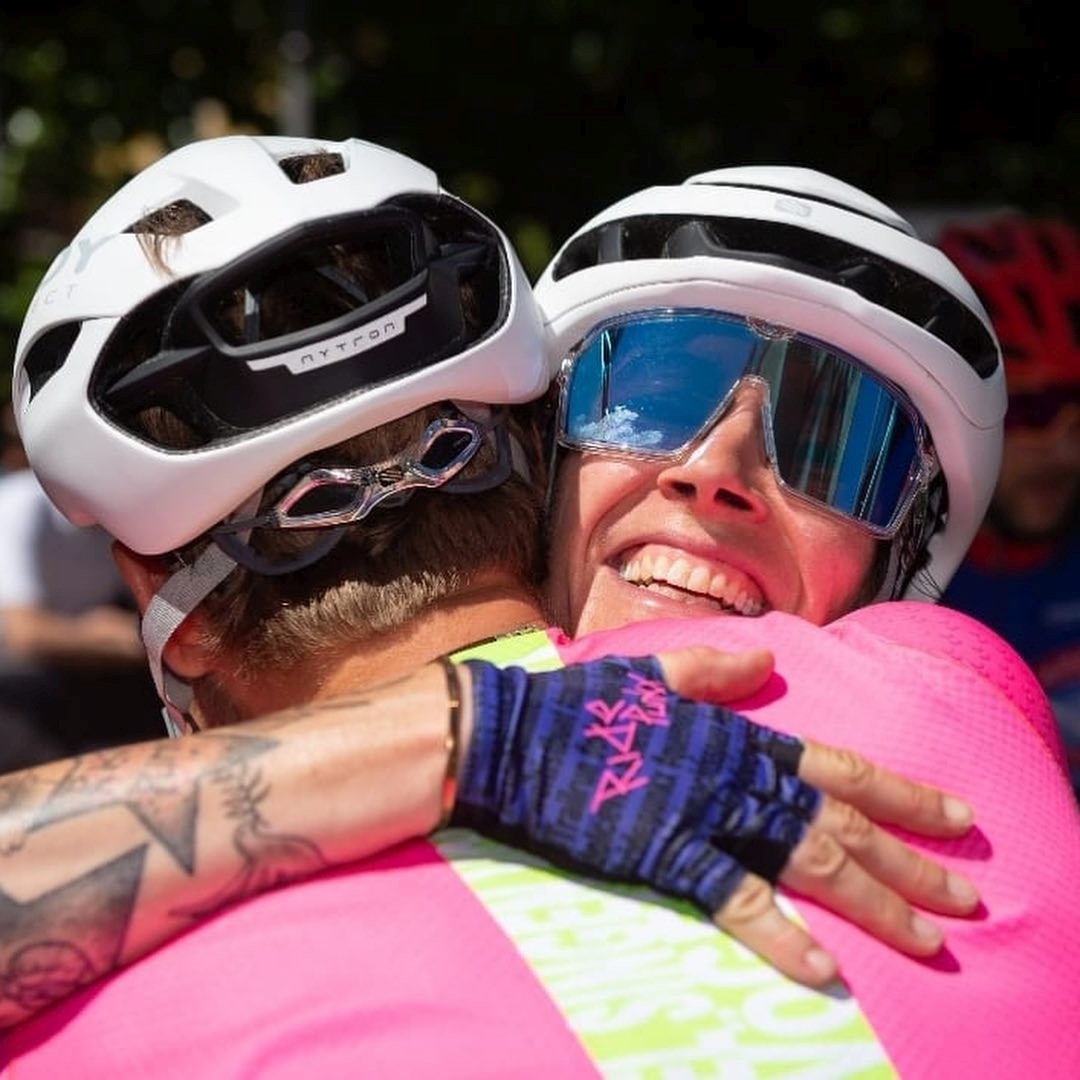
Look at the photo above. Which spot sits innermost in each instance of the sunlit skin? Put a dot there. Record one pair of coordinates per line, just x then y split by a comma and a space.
1039, 486
710, 533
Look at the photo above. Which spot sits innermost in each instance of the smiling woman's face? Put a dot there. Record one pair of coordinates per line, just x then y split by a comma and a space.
710, 533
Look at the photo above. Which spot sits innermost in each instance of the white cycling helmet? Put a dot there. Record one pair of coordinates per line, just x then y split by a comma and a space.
445, 314
259, 403
795, 248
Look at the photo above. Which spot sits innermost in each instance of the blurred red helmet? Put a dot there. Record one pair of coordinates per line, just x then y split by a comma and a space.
1027, 274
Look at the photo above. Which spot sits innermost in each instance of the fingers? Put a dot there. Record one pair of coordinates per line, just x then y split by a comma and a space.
890, 862
752, 917
707, 674
883, 795
848, 865
859, 871
844, 861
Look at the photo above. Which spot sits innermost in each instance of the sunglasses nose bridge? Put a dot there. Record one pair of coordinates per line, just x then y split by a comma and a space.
750, 391
725, 472
740, 426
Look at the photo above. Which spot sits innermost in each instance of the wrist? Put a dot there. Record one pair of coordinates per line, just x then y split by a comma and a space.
459, 716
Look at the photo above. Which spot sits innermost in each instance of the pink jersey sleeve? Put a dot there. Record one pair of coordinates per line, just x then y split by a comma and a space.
939, 698
959, 637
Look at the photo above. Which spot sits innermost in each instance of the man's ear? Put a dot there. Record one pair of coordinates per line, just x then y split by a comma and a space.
144, 575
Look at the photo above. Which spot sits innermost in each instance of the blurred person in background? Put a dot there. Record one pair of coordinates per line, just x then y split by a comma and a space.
72, 664
1022, 574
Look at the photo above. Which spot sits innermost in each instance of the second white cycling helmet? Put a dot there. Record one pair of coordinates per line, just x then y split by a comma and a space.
794, 248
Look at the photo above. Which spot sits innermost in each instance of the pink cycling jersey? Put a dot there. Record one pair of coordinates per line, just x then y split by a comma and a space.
460, 958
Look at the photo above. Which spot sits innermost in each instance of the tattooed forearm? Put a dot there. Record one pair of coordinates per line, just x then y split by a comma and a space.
244, 790
268, 859
106, 856
158, 782
46, 948
19, 796
73, 932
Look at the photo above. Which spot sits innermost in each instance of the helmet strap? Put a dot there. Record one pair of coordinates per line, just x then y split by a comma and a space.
909, 546
168, 608
177, 598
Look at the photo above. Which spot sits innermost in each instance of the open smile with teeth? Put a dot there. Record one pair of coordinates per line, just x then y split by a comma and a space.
685, 577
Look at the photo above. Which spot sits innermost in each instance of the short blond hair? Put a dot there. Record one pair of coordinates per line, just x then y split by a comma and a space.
389, 568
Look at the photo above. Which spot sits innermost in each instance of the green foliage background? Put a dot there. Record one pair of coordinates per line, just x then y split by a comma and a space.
540, 112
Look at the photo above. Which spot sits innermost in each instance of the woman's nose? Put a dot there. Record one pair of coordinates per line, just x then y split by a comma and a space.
728, 471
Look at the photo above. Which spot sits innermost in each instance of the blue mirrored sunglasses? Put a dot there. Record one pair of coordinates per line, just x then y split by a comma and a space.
652, 384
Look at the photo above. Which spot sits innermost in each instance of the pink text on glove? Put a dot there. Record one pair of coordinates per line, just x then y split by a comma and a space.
642, 701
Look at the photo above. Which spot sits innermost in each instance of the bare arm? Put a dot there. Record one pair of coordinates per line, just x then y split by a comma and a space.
105, 856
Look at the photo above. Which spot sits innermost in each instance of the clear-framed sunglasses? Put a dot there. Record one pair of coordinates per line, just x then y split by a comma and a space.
652, 384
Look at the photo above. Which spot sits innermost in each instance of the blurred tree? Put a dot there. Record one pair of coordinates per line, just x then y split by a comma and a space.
539, 111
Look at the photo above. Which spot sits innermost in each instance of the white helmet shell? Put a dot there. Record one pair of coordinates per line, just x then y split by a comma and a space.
155, 499
953, 375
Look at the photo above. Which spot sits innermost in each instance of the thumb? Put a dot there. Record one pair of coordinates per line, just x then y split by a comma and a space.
707, 674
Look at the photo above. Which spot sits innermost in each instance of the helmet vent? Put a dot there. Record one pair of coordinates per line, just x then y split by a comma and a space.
1027, 298
1072, 311
303, 168
868, 279
179, 217
795, 193
980, 248
1050, 251
1025, 272
48, 354
883, 282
